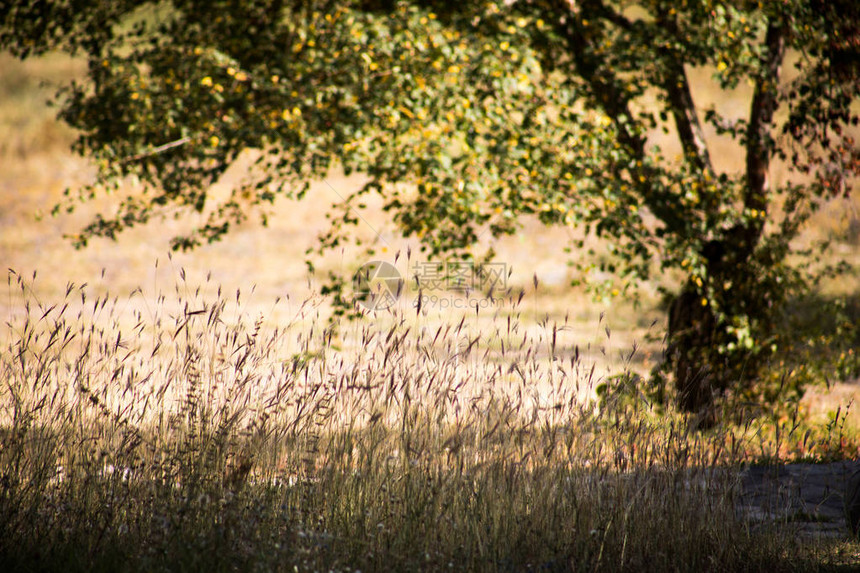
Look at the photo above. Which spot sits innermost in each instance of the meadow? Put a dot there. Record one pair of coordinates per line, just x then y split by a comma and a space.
197, 411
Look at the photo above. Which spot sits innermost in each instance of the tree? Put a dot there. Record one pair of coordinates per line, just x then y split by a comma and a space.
471, 115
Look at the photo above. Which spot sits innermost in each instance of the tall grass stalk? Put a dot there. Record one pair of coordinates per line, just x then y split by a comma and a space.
176, 433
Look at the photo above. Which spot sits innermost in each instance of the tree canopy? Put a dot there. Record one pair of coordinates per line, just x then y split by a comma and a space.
468, 116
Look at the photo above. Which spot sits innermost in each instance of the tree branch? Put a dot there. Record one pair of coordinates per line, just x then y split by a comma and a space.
157, 150
607, 94
759, 142
677, 87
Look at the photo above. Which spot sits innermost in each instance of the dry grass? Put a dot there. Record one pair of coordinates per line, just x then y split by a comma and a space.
195, 436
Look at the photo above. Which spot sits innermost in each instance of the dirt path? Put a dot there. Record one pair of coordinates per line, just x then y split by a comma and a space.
809, 497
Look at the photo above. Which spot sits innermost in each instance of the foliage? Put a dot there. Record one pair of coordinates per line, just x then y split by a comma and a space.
469, 116
822, 338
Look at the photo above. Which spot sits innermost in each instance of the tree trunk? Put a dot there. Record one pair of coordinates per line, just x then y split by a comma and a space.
698, 353
691, 327
695, 335
701, 371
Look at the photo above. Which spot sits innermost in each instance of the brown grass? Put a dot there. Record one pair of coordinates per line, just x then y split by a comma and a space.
193, 435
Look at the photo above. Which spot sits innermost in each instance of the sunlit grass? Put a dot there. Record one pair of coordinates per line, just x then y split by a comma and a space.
176, 431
